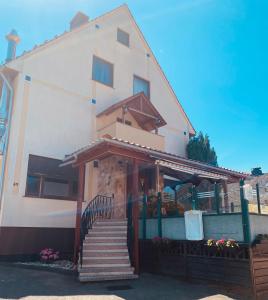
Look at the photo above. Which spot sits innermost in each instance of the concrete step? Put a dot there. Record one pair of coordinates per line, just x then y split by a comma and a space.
110, 223
108, 261
108, 239
102, 270
115, 227
96, 278
108, 229
105, 243
105, 252
106, 266
107, 234
103, 246
116, 242
104, 256
112, 220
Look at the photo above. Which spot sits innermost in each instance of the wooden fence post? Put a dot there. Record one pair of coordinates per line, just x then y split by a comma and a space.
258, 198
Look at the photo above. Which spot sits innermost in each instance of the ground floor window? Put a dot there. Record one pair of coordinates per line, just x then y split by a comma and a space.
46, 179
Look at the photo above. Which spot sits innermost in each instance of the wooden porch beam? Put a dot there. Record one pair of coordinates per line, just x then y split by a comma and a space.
108, 150
81, 188
142, 113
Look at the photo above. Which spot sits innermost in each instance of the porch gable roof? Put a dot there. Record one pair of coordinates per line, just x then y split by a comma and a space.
141, 109
104, 147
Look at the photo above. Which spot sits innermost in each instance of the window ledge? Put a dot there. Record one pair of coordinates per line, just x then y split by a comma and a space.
107, 85
50, 198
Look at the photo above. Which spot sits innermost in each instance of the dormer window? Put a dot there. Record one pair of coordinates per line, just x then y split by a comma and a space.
123, 37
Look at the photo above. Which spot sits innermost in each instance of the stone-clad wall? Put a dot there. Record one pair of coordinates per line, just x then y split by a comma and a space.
112, 181
234, 192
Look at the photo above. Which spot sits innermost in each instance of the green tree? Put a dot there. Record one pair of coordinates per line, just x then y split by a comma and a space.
199, 149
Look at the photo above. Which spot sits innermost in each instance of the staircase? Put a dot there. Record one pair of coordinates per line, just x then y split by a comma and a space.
105, 252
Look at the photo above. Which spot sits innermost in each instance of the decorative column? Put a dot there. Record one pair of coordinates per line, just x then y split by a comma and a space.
80, 199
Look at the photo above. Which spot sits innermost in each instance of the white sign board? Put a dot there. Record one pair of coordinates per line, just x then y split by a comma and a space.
194, 225
248, 192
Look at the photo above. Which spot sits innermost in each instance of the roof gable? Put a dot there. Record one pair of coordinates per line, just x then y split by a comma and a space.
124, 8
141, 109
191, 128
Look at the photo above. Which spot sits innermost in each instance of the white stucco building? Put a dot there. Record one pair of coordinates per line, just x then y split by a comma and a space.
55, 95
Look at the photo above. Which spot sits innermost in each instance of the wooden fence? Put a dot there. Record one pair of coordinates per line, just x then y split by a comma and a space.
259, 269
194, 260
244, 266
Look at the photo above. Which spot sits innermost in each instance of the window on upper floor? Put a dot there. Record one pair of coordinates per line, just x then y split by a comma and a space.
123, 37
45, 179
141, 85
102, 71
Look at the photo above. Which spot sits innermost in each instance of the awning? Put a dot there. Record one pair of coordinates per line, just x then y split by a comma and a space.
190, 170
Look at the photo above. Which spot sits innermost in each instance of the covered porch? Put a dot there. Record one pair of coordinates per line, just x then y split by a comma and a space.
146, 186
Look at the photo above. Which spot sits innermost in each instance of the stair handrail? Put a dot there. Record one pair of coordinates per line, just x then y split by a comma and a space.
100, 207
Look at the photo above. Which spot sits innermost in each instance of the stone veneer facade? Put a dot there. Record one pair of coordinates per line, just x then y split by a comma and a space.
112, 181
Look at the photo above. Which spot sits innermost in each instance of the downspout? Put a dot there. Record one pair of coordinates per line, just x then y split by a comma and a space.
7, 133
13, 40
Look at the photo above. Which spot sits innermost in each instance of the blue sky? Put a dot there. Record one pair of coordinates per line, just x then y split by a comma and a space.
213, 52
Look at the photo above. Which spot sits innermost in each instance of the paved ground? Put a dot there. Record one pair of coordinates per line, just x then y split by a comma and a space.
19, 283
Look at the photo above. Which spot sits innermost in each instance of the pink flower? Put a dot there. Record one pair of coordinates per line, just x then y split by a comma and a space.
48, 254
